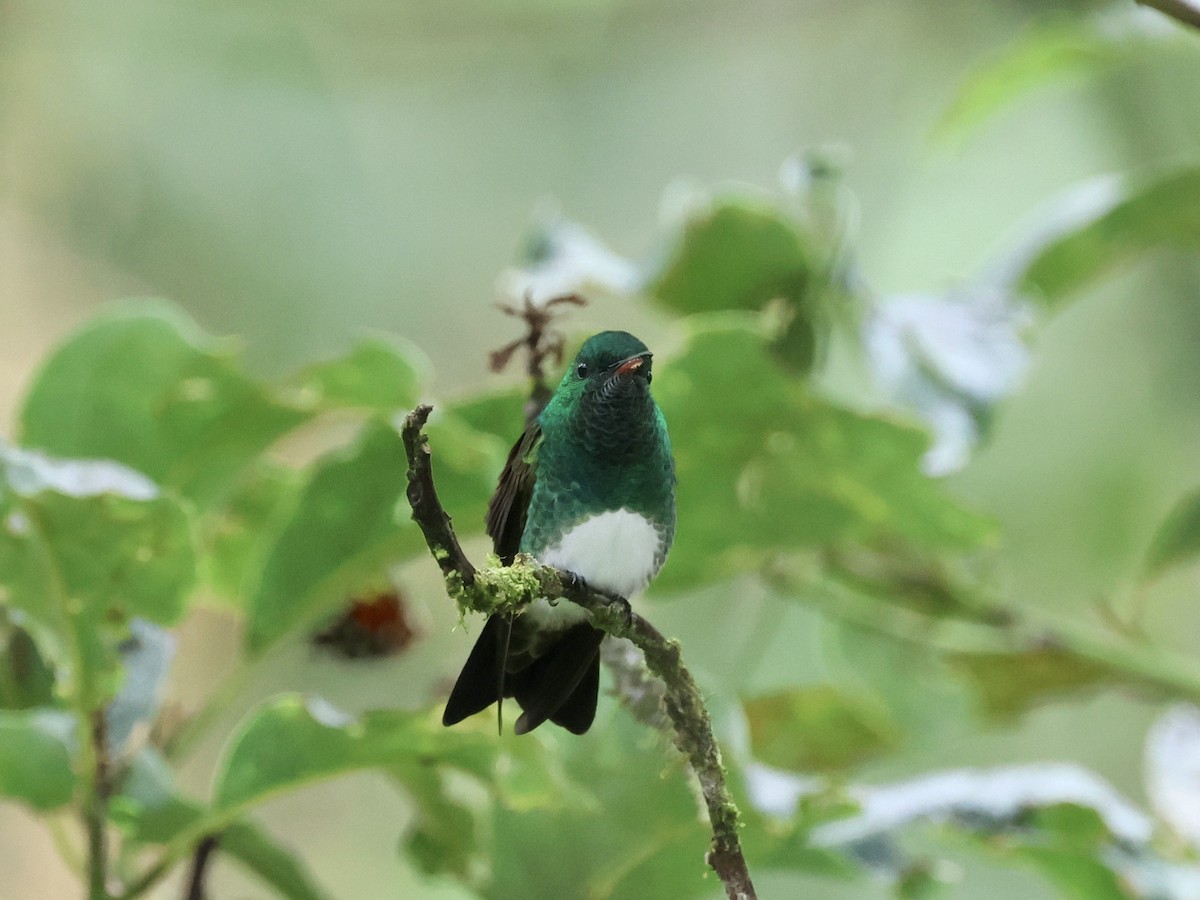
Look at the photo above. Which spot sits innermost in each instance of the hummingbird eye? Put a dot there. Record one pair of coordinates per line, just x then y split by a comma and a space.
582, 370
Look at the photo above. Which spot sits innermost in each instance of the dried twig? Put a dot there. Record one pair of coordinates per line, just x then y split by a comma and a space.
541, 343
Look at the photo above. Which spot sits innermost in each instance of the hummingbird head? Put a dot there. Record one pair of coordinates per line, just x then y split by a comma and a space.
611, 366
606, 390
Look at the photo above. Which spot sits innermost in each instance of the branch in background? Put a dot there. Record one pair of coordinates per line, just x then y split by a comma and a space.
95, 810
511, 588
1185, 11
205, 851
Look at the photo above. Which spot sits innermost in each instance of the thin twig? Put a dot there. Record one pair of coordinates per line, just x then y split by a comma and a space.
490, 590
205, 851
1185, 11
95, 810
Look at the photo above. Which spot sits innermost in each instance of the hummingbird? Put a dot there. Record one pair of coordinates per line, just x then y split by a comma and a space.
589, 488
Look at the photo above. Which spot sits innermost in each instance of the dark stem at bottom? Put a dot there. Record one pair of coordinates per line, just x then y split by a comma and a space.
205, 851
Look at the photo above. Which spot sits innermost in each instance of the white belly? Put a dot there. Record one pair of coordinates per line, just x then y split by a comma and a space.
617, 552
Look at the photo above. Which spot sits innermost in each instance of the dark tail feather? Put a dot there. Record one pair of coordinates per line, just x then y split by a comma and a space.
563, 684
479, 683
577, 713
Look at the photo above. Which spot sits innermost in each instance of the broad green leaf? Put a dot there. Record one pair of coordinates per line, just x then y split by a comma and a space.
35, 757
1036, 58
237, 536
642, 838
1070, 824
86, 546
378, 375
1078, 875
445, 837
1162, 212
1177, 540
150, 810
349, 522
277, 866
501, 415
144, 386
295, 740
765, 465
818, 729
1010, 684
738, 254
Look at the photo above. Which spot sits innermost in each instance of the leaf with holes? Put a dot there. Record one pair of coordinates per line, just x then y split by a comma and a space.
86, 546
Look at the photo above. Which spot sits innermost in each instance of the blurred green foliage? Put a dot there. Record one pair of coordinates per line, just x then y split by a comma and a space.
153, 472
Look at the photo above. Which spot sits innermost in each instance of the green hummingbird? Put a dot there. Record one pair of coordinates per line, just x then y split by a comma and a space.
589, 489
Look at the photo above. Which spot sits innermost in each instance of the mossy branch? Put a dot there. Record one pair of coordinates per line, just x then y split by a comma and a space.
498, 588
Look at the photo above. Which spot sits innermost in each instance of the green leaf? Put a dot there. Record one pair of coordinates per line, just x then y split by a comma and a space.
501, 415
35, 757
238, 535
277, 866
295, 740
765, 465
593, 850
150, 810
1076, 874
738, 254
1010, 684
84, 547
143, 386
444, 840
1163, 212
347, 526
1038, 57
1080, 827
379, 375
1177, 540
818, 729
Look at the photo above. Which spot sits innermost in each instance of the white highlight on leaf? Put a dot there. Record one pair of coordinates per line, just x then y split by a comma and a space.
30, 471
1173, 770
1074, 208
16, 524
776, 792
325, 713
948, 359
569, 260
146, 657
999, 794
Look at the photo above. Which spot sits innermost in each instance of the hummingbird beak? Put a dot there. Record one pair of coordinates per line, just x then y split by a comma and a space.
631, 365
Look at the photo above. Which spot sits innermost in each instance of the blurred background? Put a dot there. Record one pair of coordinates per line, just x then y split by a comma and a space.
295, 174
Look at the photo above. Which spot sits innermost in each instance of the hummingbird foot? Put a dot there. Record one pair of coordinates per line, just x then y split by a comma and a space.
626, 611
616, 604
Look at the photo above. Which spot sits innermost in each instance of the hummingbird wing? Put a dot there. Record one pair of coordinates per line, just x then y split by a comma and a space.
561, 682
505, 522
